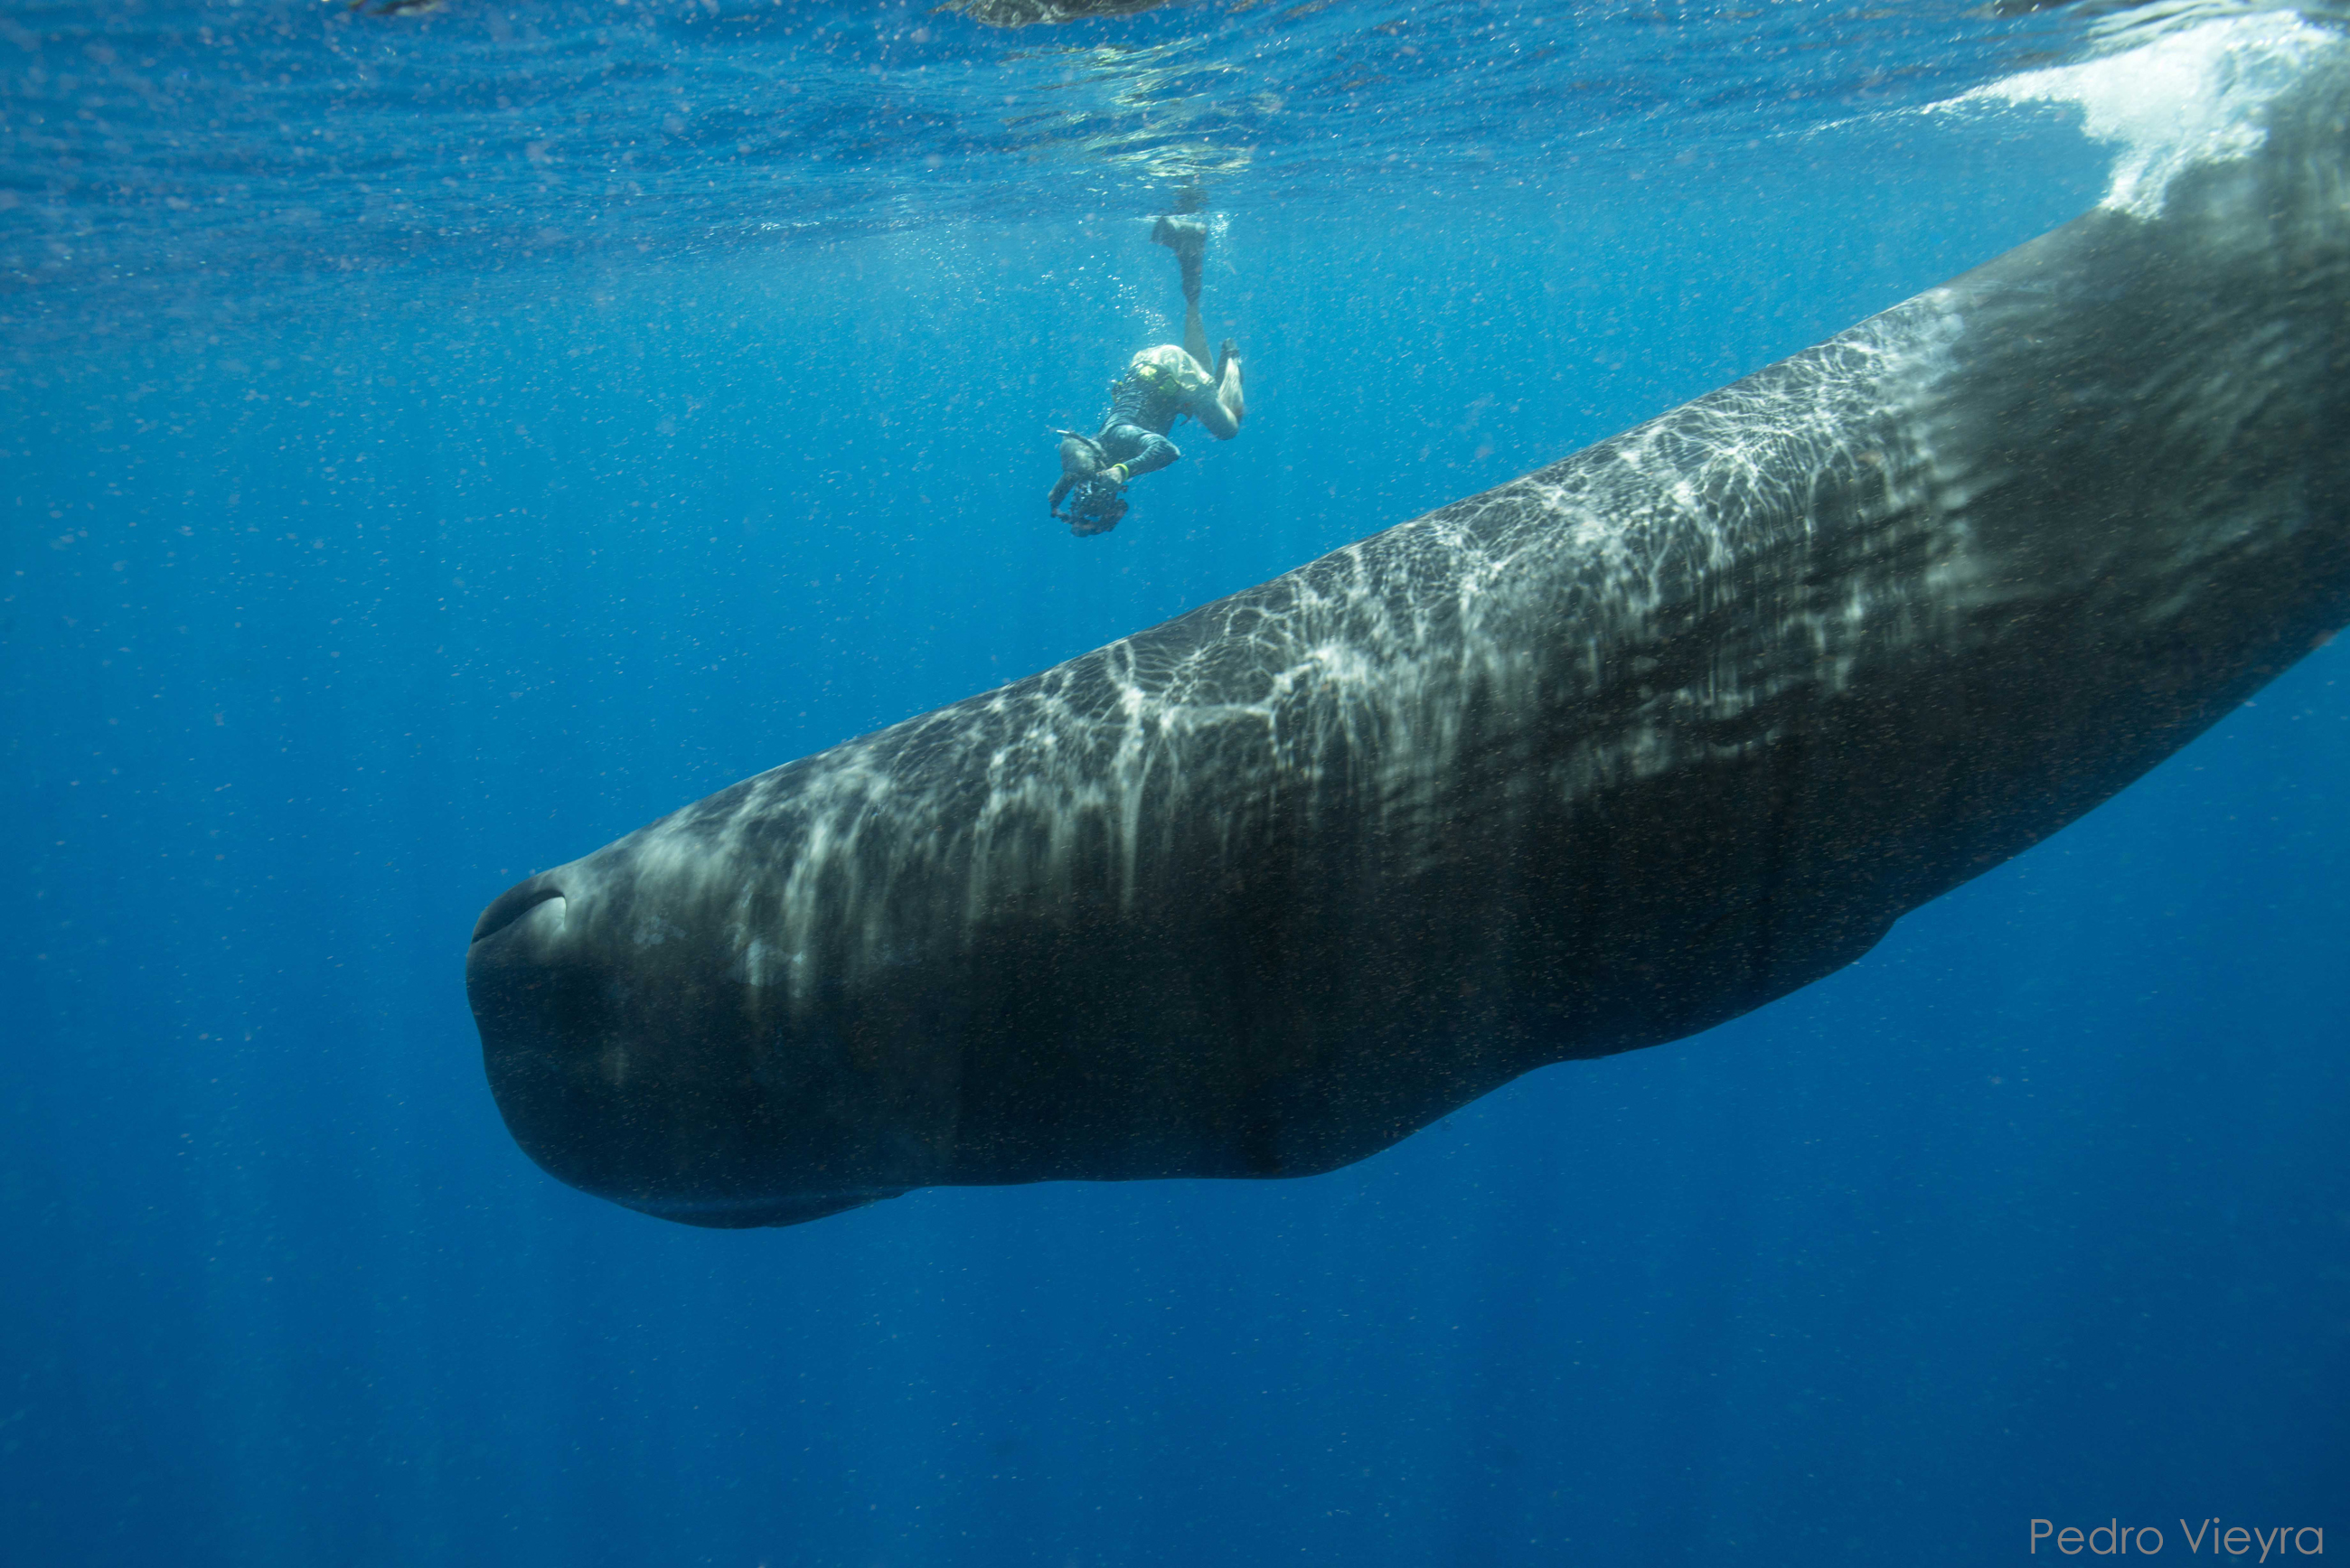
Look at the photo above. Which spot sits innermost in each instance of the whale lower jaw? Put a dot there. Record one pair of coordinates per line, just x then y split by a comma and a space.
750, 1214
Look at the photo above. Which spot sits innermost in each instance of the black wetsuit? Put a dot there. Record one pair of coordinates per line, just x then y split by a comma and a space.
1143, 408
1161, 386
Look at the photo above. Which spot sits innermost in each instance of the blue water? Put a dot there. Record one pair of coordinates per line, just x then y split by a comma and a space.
435, 445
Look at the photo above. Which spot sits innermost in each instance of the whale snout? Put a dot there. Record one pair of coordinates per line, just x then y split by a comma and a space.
516, 902
624, 1068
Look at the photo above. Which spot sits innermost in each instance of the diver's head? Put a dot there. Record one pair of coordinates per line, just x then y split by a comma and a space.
1081, 456
1095, 507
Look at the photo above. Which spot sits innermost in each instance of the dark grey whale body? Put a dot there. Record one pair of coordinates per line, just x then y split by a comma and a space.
1584, 764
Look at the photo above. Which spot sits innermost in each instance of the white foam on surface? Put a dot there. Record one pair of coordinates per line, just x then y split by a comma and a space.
2184, 98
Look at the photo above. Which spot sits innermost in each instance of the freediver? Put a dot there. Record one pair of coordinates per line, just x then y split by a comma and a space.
1161, 386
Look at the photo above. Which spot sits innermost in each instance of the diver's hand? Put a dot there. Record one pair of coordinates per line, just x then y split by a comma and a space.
1095, 507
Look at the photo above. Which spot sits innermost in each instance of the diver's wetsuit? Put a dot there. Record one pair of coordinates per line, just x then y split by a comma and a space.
1161, 386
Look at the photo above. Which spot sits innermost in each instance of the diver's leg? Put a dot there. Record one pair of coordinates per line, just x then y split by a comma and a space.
1195, 333
1187, 237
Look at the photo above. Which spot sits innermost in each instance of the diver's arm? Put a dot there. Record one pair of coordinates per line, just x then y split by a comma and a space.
1152, 452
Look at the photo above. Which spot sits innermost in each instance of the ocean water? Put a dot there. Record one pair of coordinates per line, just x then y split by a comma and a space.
438, 443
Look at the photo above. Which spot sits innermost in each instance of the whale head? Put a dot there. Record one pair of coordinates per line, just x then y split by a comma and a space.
651, 1081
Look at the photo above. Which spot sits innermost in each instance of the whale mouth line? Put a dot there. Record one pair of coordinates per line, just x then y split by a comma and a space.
512, 904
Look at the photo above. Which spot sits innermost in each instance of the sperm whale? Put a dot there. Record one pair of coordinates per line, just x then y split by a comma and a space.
1586, 764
